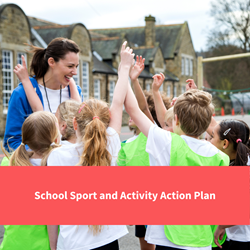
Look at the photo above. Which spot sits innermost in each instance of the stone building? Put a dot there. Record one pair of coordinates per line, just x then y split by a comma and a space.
15, 32
166, 48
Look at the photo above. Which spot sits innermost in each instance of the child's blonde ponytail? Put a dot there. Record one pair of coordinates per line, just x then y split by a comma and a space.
93, 120
20, 157
39, 131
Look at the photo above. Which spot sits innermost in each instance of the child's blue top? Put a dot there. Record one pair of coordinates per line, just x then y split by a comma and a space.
19, 109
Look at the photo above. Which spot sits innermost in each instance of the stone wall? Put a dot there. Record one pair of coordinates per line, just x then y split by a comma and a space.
175, 65
81, 36
14, 33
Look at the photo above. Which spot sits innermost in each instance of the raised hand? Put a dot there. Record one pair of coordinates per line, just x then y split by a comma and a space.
158, 80
21, 71
190, 84
127, 56
137, 68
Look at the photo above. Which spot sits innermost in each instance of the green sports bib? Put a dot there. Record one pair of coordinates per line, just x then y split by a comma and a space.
133, 153
182, 155
25, 237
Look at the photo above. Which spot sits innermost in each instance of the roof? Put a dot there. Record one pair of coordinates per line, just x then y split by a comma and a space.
106, 46
102, 67
168, 36
40, 22
147, 53
170, 76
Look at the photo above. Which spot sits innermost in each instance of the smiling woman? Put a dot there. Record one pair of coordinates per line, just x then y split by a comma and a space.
53, 69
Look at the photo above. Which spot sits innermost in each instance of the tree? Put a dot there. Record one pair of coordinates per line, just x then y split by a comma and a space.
233, 18
231, 35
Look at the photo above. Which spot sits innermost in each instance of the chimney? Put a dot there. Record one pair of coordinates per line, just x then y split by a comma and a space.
150, 31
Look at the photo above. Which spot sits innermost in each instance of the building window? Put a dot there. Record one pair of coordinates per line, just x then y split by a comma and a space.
7, 73
97, 89
111, 90
76, 77
183, 89
85, 80
147, 86
19, 60
169, 90
191, 67
161, 88
175, 91
183, 66
187, 66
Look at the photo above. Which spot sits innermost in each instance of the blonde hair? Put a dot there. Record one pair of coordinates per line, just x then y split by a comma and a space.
66, 112
169, 115
39, 131
93, 118
194, 109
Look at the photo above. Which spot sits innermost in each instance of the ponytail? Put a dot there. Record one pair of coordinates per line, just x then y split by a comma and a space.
39, 65
95, 151
20, 157
95, 229
242, 155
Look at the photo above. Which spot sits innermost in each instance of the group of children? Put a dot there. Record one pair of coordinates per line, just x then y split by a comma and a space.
87, 134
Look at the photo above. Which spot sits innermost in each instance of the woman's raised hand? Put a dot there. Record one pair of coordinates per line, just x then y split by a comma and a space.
21, 71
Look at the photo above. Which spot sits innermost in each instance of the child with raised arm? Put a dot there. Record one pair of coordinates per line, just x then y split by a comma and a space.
133, 151
165, 116
192, 115
98, 143
34, 101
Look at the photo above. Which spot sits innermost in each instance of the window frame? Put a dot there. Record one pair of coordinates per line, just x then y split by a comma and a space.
7, 76
85, 86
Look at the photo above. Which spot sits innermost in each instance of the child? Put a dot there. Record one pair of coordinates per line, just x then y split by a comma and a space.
232, 138
133, 151
192, 115
98, 144
34, 128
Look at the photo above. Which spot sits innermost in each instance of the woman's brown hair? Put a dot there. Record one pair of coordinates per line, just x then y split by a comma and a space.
39, 131
56, 49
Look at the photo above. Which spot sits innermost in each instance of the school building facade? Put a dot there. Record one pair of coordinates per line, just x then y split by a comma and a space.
166, 48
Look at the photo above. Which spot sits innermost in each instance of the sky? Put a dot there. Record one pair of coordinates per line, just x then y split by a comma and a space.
96, 14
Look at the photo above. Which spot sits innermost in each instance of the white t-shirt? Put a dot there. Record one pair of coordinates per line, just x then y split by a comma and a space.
54, 97
131, 139
66, 143
239, 233
69, 155
159, 147
80, 238
35, 162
